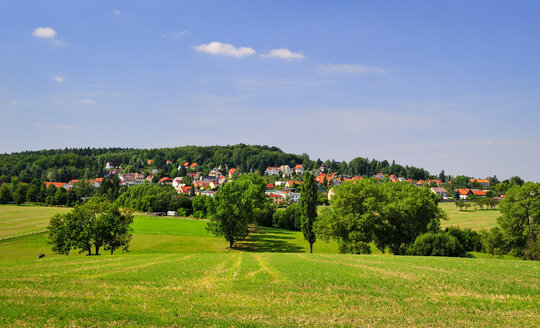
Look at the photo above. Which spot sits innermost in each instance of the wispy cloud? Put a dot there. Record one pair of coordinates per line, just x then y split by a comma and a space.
350, 69
283, 53
44, 32
36, 124
59, 78
176, 34
117, 12
14, 102
225, 49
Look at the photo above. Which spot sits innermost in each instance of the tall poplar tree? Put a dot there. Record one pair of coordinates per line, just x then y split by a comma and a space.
308, 204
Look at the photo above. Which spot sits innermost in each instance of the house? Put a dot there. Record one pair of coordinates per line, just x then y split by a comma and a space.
215, 173
290, 184
176, 182
210, 193
479, 193
222, 180
150, 161
183, 189
131, 179
420, 182
379, 176
280, 183
270, 186
285, 169
483, 182
186, 164
232, 172
171, 213
96, 183
165, 180
293, 197
464, 193
441, 192
149, 178
193, 165
56, 184
277, 199
109, 165
168, 162
272, 171
299, 169
71, 184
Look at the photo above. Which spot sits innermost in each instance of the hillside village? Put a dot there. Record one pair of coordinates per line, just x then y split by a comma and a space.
283, 181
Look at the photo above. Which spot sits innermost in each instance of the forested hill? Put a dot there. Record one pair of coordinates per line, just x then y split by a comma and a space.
88, 163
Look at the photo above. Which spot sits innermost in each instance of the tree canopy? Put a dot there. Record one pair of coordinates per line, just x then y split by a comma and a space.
233, 207
95, 224
391, 215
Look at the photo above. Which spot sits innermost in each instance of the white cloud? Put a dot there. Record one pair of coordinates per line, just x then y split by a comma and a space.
44, 32
284, 53
59, 78
350, 69
225, 49
117, 12
36, 124
15, 102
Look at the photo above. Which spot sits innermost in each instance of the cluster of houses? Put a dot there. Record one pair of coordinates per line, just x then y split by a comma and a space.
280, 191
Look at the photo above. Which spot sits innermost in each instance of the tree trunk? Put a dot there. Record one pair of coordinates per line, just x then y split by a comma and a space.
97, 250
112, 250
231, 243
311, 248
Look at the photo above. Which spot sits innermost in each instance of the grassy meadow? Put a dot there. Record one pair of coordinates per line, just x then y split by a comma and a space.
16, 220
178, 274
474, 219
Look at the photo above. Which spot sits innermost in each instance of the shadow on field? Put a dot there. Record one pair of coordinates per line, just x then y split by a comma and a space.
263, 239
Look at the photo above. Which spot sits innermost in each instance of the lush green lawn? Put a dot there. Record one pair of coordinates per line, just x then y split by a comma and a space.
268, 289
16, 220
474, 219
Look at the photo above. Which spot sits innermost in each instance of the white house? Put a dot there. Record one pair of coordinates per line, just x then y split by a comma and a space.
285, 169
272, 171
293, 197
299, 169
109, 165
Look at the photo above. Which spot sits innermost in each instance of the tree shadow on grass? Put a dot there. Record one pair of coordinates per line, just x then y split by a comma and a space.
263, 239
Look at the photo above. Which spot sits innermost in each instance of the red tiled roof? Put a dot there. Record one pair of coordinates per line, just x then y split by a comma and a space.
56, 184
463, 191
479, 192
193, 165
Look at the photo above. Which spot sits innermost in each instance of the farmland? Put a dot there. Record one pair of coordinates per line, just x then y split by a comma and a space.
16, 220
474, 219
179, 274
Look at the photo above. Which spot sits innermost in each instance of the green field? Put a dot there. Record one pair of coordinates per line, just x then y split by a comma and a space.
179, 274
17, 220
474, 219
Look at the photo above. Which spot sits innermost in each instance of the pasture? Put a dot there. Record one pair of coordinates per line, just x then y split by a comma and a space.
474, 219
17, 220
268, 289
177, 273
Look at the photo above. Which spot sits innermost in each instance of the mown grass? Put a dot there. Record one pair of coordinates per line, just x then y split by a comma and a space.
268, 289
16, 220
474, 219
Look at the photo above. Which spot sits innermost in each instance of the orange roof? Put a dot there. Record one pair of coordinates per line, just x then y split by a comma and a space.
165, 179
186, 163
463, 191
193, 165
231, 171
169, 161
298, 167
73, 181
55, 184
98, 180
479, 192
150, 161
357, 178
482, 180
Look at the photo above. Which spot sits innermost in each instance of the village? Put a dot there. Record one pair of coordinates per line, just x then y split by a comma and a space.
283, 181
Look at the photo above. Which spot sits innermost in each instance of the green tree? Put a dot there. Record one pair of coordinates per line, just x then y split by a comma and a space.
233, 206
520, 219
308, 206
95, 224
437, 244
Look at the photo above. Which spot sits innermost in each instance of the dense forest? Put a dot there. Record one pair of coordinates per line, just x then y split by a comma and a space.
88, 163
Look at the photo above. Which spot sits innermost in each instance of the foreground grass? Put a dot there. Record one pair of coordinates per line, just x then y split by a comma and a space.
474, 219
264, 289
16, 220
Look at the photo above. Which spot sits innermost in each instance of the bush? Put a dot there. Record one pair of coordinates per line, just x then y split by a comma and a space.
468, 238
437, 244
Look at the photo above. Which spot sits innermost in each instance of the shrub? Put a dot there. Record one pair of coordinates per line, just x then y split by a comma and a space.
469, 239
437, 244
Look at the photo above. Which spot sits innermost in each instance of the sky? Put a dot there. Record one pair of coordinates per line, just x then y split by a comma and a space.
441, 85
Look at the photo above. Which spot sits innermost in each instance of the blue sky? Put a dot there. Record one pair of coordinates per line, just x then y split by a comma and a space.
453, 86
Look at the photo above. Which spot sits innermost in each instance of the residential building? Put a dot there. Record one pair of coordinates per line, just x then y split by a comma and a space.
272, 171
440, 191
285, 169
299, 169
